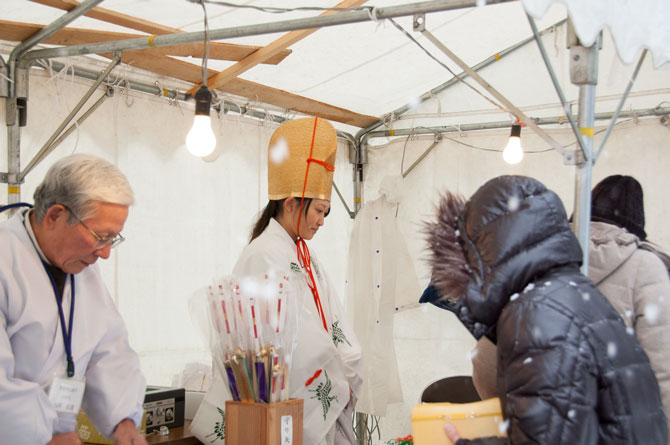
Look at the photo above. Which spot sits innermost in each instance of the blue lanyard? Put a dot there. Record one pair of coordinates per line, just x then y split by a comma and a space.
67, 332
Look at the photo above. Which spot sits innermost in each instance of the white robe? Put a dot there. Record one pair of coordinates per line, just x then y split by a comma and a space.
32, 351
339, 359
380, 283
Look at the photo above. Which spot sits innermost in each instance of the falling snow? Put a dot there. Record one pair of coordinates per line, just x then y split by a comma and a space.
611, 349
513, 204
279, 151
572, 283
547, 283
503, 426
249, 287
572, 414
414, 101
530, 287
586, 296
457, 233
537, 332
472, 354
528, 360
514, 297
630, 331
652, 313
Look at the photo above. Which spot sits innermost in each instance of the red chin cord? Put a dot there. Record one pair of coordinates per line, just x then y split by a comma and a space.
301, 246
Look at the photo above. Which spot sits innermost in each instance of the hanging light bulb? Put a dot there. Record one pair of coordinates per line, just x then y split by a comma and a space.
513, 153
200, 140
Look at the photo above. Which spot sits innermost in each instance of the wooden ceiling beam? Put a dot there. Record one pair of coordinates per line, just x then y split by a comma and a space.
217, 50
281, 44
244, 88
113, 17
18, 32
186, 71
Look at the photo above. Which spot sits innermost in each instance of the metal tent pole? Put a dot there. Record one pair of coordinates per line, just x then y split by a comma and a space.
554, 80
48, 145
357, 16
620, 106
528, 122
584, 73
455, 80
18, 95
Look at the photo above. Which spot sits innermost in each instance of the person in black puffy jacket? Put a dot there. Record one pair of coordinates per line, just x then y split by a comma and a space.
568, 372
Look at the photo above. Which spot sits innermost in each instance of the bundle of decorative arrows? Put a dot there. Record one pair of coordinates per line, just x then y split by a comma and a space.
254, 324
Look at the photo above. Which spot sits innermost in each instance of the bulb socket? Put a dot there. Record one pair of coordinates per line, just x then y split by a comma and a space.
516, 131
203, 101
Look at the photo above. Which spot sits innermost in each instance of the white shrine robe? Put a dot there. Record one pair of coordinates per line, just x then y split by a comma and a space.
32, 351
336, 352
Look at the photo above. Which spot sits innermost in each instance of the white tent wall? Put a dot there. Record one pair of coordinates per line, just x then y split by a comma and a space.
431, 343
191, 218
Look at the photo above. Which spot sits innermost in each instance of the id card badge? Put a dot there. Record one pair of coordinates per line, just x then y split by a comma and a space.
66, 394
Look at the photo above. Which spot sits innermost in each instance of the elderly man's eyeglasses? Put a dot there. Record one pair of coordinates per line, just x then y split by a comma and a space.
101, 242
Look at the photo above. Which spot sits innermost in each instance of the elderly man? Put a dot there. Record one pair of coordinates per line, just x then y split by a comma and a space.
63, 344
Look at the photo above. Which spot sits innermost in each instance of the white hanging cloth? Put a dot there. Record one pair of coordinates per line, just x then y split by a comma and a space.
634, 25
380, 281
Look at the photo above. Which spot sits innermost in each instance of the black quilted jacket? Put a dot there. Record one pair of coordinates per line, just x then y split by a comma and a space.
568, 370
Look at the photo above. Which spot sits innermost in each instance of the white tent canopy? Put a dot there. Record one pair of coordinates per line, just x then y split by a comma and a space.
192, 217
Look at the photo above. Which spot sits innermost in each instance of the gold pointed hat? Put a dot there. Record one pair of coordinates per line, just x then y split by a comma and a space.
289, 160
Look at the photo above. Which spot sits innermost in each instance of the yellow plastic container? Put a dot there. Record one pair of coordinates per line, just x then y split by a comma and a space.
478, 419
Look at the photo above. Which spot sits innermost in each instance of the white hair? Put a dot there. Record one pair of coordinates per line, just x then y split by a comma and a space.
79, 182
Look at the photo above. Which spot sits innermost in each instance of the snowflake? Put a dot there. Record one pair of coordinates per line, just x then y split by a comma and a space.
513, 204
528, 360
514, 297
652, 313
503, 426
530, 287
611, 349
537, 332
279, 151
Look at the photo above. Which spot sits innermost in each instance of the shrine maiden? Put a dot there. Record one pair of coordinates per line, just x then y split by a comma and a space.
327, 366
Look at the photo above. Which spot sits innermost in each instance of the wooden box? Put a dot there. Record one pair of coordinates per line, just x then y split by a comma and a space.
264, 424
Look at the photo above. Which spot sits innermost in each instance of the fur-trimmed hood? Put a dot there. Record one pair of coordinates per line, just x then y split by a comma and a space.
511, 232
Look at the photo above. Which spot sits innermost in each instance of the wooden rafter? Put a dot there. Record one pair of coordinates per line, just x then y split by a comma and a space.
18, 32
251, 90
166, 65
282, 43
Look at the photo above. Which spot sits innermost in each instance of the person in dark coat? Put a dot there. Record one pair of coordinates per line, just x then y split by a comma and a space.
507, 264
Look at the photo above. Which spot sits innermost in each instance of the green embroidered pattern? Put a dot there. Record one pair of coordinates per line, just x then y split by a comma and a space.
323, 394
295, 268
338, 335
219, 427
